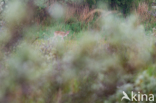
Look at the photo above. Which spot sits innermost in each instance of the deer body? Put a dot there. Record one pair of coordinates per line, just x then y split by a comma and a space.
61, 34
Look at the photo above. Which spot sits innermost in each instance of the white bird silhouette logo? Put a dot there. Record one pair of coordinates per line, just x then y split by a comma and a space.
125, 96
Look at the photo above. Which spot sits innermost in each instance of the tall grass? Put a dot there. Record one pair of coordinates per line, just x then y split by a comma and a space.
95, 68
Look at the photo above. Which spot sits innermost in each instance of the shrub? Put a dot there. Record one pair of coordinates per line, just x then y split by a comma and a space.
89, 71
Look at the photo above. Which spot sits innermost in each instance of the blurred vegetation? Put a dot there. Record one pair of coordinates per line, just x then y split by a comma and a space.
105, 53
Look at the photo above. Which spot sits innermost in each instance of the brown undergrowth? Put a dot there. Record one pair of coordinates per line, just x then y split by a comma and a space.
83, 13
146, 15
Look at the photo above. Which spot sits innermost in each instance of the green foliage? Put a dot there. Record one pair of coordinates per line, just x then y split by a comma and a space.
124, 5
74, 27
86, 70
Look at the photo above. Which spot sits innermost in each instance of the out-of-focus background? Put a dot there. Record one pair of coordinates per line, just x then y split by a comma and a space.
111, 48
